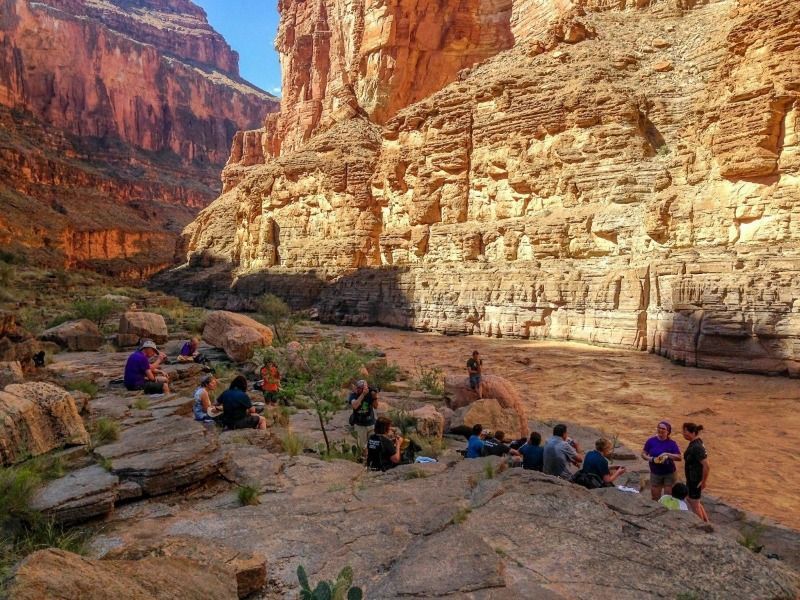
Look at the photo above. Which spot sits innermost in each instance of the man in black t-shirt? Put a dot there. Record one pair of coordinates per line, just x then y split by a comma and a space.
475, 369
496, 446
383, 452
363, 400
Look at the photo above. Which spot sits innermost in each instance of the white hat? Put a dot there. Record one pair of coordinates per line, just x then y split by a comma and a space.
149, 344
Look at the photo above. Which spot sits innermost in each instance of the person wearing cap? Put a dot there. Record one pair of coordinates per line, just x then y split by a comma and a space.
363, 400
661, 452
141, 374
202, 399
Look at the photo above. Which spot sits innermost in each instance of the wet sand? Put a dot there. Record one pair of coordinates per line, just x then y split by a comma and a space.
752, 422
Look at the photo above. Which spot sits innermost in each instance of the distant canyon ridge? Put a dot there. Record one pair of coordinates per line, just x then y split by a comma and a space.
618, 172
116, 118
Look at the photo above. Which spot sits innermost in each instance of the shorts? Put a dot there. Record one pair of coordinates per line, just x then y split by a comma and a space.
271, 397
249, 422
149, 388
474, 381
694, 489
362, 433
667, 480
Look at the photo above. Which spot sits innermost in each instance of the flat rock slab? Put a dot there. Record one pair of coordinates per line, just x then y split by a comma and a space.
60, 575
79, 496
165, 454
75, 336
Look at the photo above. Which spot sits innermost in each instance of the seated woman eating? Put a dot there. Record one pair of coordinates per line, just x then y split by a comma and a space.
383, 448
239, 412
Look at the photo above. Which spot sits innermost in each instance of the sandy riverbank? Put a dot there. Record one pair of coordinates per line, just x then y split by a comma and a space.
752, 422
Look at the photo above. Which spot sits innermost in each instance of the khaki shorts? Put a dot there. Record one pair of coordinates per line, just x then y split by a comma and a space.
667, 480
362, 433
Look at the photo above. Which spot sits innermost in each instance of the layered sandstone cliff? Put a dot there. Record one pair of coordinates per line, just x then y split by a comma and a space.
116, 117
611, 176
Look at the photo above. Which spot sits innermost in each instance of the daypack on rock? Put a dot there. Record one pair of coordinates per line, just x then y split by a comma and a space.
588, 480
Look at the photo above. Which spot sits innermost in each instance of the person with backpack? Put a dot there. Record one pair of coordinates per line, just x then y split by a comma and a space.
363, 400
676, 500
596, 463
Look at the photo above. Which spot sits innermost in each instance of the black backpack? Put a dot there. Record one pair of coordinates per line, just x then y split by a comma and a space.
588, 480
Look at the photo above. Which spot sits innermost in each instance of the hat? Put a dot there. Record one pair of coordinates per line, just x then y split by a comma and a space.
361, 383
149, 344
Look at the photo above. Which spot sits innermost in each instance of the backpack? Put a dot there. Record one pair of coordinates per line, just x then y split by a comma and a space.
588, 480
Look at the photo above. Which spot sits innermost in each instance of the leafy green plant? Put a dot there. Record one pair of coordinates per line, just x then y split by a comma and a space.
104, 431
277, 314
383, 373
105, 463
292, 444
429, 379
341, 589
97, 311
141, 403
83, 385
402, 420
247, 495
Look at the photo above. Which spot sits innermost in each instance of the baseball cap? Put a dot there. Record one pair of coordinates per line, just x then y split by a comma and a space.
149, 344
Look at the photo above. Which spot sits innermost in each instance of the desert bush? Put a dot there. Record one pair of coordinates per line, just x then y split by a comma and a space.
97, 311
383, 374
341, 589
7, 274
750, 537
141, 403
402, 420
82, 385
460, 515
247, 495
292, 444
429, 379
276, 313
104, 431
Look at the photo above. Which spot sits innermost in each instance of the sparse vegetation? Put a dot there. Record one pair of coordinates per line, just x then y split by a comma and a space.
431, 447
415, 473
383, 373
82, 385
276, 313
460, 515
402, 420
7, 274
663, 150
105, 463
97, 311
489, 471
141, 403
429, 379
750, 537
247, 495
292, 444
341, 589
104, 431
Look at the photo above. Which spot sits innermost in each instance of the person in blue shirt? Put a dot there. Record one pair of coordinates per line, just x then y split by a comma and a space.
532, 452
239, 412
475, 443
596, 462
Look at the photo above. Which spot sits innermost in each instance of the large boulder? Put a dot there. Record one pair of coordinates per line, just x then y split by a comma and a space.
59, 575
458, 394
429, 421
165, 454
17, 344
11, 372
238, 335
36, 418
77, 336
488, 413
136, 325
79, 496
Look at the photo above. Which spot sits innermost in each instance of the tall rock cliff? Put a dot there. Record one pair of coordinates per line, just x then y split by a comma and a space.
568, 169
115, 119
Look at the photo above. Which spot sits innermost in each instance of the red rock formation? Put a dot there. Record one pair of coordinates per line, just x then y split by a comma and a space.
118, 116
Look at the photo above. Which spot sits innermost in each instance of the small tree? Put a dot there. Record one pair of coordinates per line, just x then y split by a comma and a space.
95, 310
276, 313
323, 370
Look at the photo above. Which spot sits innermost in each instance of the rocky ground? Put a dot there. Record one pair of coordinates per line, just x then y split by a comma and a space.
163, 506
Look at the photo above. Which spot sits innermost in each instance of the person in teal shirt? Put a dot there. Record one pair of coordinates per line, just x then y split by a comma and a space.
475, 443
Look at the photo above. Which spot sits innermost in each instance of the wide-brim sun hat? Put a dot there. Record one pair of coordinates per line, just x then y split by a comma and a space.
149, 344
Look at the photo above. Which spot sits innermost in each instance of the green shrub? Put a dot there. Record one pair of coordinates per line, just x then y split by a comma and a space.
276, 313
429, 379
402, 420
247, 495
105, 463
58, 320
383, 373
489, 471
97, 311
460, 515
750, 537
292, 444
7, 274
104, 431
341, 589
83, 385
141, 403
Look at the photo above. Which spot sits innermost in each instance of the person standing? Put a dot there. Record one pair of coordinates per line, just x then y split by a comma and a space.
363, 400
270, 382
560, 452
696, 468
661, 453
475, 370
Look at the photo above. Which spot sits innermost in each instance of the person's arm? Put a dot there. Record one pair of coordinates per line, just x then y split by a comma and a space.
150, 375
573, 454
205, 401
395, 458
706, 471
676, 455
611, 477
356, 404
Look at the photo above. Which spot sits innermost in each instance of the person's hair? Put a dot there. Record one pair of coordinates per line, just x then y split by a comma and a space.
535, 439
499, 435
206, 381
693, 428
559, 430
680, 491
239, 383
382, 425
476, 429
602, 444
474, 352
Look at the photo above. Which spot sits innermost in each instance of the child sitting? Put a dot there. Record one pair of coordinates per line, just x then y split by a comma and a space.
676, 500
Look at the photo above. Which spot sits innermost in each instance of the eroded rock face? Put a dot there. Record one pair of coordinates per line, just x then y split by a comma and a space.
36, 418
571, 187
118, 118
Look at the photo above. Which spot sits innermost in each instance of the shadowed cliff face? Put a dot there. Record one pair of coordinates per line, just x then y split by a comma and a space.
612, 178
117, 117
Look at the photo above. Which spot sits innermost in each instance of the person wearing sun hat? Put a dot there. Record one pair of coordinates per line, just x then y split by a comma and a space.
141, 374
661, 453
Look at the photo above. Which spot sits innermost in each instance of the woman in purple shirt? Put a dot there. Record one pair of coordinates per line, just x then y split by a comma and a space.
661, 452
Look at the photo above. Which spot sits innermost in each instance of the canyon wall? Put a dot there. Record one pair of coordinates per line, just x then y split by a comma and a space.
612, 176
116, 118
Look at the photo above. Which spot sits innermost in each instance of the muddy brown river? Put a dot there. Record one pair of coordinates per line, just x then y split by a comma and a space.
752, 422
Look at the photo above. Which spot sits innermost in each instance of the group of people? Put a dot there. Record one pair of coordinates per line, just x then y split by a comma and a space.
561, 452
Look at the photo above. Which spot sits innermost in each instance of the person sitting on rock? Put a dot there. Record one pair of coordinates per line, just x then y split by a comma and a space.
475, 369
532, 452
363, 400
475, 442
190, 352
270, 382
596, 462
560, 452
141, 374
202, 399
383, 447
677, 499
238, 409
496, 446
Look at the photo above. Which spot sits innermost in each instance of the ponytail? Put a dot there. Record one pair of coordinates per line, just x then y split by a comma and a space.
693, 428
